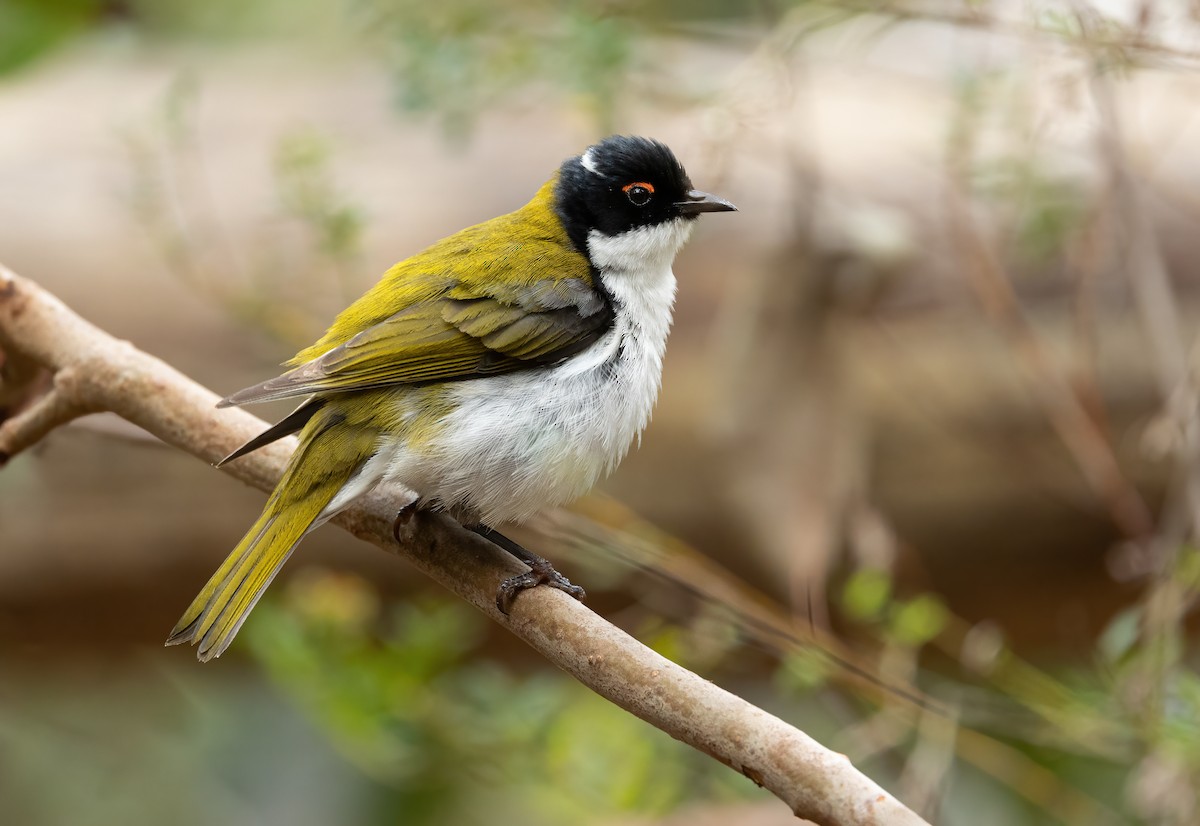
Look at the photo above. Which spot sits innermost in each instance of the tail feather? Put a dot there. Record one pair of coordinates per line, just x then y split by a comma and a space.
186, 629
298, 505
291, 423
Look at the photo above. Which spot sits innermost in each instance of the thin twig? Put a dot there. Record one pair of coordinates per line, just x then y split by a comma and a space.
1083, 437
46, 412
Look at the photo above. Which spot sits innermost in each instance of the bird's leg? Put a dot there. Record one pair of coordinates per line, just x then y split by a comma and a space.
540, 572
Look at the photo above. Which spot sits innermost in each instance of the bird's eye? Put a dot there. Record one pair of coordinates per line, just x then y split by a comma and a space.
638, 192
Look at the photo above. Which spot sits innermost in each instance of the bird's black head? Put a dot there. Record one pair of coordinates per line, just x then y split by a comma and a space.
623, 183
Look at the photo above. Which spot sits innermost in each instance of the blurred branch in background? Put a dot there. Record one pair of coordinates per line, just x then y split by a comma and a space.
1083, 436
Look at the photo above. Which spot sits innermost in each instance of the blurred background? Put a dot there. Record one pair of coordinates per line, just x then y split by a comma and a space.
922, 479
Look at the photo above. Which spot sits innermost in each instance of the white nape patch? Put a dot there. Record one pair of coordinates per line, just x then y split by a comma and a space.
589, 163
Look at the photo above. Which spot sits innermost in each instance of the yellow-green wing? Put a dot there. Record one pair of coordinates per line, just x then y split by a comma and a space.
502, 296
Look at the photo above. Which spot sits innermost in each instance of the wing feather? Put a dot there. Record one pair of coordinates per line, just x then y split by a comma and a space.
475, 304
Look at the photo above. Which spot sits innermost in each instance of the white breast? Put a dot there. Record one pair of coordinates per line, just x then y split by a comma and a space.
523, 442
519, 443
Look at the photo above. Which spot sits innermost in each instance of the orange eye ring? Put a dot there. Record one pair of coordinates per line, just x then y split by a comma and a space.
638, 192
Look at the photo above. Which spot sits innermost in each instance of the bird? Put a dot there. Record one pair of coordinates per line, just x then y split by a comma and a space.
501, 371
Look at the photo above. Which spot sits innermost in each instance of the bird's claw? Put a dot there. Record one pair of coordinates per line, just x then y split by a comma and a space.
540, 572
404, 518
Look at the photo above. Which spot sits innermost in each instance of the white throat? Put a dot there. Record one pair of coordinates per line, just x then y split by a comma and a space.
645, 250
635, 268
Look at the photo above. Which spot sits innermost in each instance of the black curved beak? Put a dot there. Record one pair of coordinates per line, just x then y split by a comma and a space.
698, 202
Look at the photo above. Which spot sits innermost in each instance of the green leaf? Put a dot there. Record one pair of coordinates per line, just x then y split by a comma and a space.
804, 670
1121, 634
919, 620
30, 28
866, 594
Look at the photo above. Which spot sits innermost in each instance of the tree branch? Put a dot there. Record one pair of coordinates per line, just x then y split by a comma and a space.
95, 372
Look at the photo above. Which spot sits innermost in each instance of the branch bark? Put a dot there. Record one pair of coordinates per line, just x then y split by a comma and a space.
95, 372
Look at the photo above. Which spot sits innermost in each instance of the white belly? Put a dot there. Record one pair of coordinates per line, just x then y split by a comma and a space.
522, 442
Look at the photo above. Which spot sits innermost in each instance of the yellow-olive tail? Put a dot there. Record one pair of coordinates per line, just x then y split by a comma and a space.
329, 459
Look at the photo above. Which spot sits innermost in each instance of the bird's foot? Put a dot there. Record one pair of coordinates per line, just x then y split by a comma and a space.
540, 572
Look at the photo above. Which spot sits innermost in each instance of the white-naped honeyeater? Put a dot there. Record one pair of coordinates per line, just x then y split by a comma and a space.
497, 373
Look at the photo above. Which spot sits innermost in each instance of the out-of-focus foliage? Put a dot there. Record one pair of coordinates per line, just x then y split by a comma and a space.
455, 59
312, 255
1114, 739
309, 195
463, 57
30, 28
146, 744
407, 693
